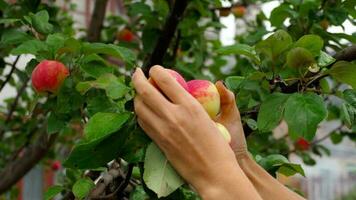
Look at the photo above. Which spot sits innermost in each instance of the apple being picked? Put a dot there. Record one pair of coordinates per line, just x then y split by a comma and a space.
224, 132
207, 95
179, 78
48, 76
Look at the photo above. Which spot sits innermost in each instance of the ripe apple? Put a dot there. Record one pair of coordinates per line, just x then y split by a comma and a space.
224, 132
125, 35
48, 76
302, 144
207, 95
179, 78
56, 165
238, 11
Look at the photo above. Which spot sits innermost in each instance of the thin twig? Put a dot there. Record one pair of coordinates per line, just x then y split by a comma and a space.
8, 76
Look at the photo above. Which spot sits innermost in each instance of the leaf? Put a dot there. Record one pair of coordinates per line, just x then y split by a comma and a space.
159, 175
40, 22
97, 153
303, 113
52, 192
9, 21
240, 49
280, 13
271, 112
95, 66
139, 194
289, 169
54, 124
275, 44
272, 161
350, 97
233, 82
29, 47
82, 187
13, 36
325, 59
344, 72
135, 146
110, 49
55, 42
300, 58
103, 124
336, 138
313, 43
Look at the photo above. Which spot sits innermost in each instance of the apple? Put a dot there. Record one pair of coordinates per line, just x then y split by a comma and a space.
56, 165
302, 144
207, 95
324, 24
125, 35
48, 76
238, 11
224, 132
179, 78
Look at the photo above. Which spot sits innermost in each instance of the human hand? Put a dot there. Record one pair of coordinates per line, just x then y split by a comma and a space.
230, 117
183, 130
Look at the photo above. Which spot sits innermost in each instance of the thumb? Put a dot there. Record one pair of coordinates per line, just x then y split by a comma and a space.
227, 101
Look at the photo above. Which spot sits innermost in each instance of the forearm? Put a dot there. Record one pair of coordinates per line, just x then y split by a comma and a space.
232, 184
267, 186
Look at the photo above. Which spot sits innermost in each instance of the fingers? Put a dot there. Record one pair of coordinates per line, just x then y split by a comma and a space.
148, 94
169, 86
227, 100
145, 114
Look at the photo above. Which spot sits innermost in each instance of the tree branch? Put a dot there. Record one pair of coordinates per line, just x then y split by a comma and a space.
97, 19
15, 170
8, 76
166, 35
105, 180
347, 54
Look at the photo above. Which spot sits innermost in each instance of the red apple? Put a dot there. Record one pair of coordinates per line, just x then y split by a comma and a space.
56, 165
179, 78
224, 132
238, 11
125, 35
48, 76
207, 95
302, 144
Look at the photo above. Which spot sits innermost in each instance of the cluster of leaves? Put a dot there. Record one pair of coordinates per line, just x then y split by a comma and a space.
289, 76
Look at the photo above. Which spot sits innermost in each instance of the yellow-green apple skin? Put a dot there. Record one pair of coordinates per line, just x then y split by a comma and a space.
224, 132
207, 95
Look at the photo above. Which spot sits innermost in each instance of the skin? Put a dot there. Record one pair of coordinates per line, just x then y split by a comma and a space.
171, 120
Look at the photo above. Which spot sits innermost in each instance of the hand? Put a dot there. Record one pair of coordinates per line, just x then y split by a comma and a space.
190, 140
230, 117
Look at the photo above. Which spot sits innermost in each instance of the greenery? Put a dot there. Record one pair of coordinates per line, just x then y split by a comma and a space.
296, 71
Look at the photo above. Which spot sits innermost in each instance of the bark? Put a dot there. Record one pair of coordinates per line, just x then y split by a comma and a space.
347, 54
97, 19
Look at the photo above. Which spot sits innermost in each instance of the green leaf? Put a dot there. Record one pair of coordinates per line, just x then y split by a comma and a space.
350, 97
40, 22
272, 161
135, 146
110, 49
159, 175
233, 82
280, 13
95, 66
240, 49
300, 58
275, 44
336, 138
52, 192
54, 124
303, 113
82, 187
97, 153
348, 114
29, 47
55, 42
9, 21
313, 43
13, 36
139, 194
344, 72
325, 59
289, 169
271, 112
103, 124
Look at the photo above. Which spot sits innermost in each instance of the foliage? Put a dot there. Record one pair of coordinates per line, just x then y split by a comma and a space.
284, 73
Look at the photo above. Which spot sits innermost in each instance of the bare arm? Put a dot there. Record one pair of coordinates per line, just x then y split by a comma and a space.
268, 187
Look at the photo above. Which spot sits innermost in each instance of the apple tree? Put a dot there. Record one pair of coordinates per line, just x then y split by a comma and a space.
284, 68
